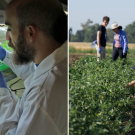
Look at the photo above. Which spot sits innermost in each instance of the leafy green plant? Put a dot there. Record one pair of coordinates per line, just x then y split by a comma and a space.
98, 101
72, 49
5, 46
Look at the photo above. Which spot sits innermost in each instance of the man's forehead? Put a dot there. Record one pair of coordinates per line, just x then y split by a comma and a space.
10, 15
10, 12
105, 21
11, 7
14, 3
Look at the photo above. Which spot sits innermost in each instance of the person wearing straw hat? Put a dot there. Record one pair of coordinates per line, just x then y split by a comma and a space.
120, 43
101, 39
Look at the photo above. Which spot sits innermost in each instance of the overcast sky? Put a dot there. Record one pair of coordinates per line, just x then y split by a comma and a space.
120, 11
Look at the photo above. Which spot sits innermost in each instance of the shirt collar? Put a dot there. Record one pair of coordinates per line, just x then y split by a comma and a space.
36, 65
120, 31
50, 61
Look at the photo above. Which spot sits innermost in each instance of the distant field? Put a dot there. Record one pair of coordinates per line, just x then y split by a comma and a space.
86, 46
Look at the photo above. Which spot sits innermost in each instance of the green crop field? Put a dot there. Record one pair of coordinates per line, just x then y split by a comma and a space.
99, 102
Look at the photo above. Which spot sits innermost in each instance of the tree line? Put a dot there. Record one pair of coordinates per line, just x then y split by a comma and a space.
89, 33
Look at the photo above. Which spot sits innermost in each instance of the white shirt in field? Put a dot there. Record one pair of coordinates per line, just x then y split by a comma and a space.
43, 107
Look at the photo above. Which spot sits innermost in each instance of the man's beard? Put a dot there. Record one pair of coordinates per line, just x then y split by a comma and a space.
23, 53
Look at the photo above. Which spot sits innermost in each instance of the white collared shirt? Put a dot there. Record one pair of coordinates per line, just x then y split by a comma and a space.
43, 107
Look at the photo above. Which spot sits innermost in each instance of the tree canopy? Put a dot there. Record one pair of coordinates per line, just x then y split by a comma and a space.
89, 33
86, 25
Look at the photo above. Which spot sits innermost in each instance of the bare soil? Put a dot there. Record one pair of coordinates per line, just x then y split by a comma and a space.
75, 57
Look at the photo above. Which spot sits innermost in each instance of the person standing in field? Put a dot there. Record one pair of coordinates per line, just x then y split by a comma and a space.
120, 43
101, 39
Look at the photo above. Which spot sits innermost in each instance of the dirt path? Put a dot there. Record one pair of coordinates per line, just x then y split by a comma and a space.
74, 57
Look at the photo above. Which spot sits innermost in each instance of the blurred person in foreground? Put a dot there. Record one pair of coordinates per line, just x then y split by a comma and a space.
37, 32
101, 39
120, 43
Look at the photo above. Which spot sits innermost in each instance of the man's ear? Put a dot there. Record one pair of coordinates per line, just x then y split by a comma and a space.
31, 32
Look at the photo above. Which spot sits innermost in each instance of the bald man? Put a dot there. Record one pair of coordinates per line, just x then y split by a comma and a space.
37, 32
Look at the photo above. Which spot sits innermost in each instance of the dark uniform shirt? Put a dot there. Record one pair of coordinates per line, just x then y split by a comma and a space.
103, 35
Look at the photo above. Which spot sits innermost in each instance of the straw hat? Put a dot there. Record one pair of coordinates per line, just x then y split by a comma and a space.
115, 25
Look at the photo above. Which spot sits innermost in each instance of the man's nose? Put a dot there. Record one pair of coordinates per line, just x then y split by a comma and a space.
8, 36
